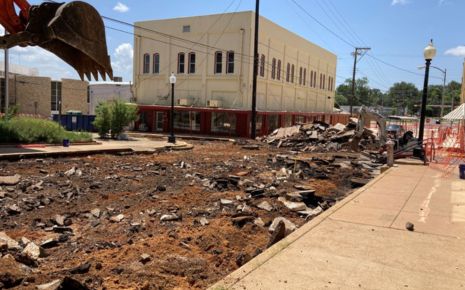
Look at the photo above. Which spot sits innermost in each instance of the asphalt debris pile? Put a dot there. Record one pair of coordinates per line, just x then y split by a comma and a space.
322, 137
162, 221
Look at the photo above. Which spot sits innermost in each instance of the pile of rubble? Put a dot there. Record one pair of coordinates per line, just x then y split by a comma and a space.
322, 137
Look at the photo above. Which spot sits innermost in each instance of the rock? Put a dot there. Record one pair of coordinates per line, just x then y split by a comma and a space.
242, 259
70, 172
226, 202
11, 244
203, 221
294, 196
259, 222
13, 209
145, 258
265, 205
54, 285
161, 188
67, 283
59, 220
81, 269
96, 212
290, 226
242, 220
48, 244
33, 251
10, 180
117, 218
359, 182
409, 226
251, 147
310, 213
294, 206
169, 217
278, 234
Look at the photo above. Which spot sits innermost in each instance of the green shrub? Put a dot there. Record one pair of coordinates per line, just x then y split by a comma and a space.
31, 130
102, 120
114, 116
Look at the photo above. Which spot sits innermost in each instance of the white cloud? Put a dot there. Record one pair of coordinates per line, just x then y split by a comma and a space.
122, 60
399, 2
456, 51
120, 7
2, 30
48, 64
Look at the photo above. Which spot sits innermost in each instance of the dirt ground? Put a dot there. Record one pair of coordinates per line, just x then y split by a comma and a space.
186, 189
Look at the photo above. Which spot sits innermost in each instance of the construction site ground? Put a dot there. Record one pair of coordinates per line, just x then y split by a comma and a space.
363, 242
166, 220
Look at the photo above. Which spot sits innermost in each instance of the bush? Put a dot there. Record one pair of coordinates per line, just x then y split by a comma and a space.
31, 130
103, 119
114, 116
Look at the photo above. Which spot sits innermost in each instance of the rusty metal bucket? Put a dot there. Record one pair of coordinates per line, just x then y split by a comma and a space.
74, 32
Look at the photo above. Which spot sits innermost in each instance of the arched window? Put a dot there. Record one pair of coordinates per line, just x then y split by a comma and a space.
311, 79
321, 81
288, 72
230, 62
305, 77
314, 79
324, 82
181, 62
279, 70
301, 71
192, 63
156, 63
146, 64
273, 68
292, 73
218, 62
262, 65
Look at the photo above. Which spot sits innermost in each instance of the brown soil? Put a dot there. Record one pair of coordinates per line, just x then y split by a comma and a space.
184, 254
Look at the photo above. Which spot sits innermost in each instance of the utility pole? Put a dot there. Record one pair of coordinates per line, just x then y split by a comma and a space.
443, 93
358, 51
255, 71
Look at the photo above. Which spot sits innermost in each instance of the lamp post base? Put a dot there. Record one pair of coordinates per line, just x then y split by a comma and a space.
172, 139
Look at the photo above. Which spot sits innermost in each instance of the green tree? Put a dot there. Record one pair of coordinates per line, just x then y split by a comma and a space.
103, 119
403, 96
122, 115
114, 116
364, 94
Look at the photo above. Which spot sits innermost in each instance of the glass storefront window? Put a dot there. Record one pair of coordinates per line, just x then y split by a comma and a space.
188, 121
273, 123
299, 119
223, 123
287, 120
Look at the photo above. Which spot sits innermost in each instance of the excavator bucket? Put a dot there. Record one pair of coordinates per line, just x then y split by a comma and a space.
73, 31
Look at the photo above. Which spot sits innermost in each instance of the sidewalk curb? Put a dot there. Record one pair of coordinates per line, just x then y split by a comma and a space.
233, 278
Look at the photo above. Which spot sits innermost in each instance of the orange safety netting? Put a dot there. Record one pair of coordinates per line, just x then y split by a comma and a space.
446, 148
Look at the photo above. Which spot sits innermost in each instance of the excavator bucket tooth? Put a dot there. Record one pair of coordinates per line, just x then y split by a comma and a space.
74, 32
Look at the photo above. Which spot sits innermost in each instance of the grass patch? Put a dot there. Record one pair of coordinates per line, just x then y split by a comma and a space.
30, 130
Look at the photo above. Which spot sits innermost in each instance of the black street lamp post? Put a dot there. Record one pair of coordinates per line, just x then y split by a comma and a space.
171, 137
429, 53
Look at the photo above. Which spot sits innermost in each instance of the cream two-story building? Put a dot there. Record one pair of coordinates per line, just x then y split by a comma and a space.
212, 58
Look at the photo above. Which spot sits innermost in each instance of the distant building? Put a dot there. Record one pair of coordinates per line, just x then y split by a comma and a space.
42, 96
296, 78
102, 92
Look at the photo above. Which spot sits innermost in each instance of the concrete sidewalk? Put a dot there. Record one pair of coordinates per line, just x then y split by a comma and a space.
362, 243
104, 146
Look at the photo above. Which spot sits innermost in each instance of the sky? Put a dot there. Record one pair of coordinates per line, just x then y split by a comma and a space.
397, 31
